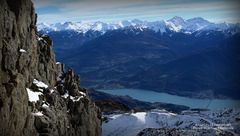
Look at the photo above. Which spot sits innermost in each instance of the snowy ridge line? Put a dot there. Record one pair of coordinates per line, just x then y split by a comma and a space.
176, 24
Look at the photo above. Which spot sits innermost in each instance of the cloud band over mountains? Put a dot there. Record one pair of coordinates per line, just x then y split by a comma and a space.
114, 10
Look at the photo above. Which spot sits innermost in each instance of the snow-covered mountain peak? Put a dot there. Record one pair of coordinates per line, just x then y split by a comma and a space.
99, 26
136, 21
177, 20
124, 23
197, 20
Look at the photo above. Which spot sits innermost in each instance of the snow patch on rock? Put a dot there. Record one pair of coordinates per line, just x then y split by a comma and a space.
22, 51
37, 113
40, 84
33, 96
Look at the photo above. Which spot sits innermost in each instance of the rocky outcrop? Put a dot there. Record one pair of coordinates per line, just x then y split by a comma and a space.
36, 96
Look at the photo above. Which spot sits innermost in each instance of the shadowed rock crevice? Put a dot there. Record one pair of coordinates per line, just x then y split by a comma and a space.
14, 6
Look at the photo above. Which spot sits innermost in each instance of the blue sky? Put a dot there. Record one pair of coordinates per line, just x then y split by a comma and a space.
53, 11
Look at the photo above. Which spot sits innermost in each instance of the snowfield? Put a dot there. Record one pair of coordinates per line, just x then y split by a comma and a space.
130, 124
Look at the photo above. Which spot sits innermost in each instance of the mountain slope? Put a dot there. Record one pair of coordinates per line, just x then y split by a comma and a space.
211, 73
194, 65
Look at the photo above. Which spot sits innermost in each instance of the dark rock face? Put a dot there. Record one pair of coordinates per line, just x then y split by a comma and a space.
25, 56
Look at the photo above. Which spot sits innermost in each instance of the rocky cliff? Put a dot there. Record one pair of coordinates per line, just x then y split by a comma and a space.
37, 97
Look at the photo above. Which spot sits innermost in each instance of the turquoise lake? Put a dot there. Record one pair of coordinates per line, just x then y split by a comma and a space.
151, 96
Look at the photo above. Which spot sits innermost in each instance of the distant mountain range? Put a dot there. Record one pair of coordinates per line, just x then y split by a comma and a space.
176, 24
191, 57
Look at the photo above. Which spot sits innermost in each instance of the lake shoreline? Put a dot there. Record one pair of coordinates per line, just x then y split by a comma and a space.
153, 96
